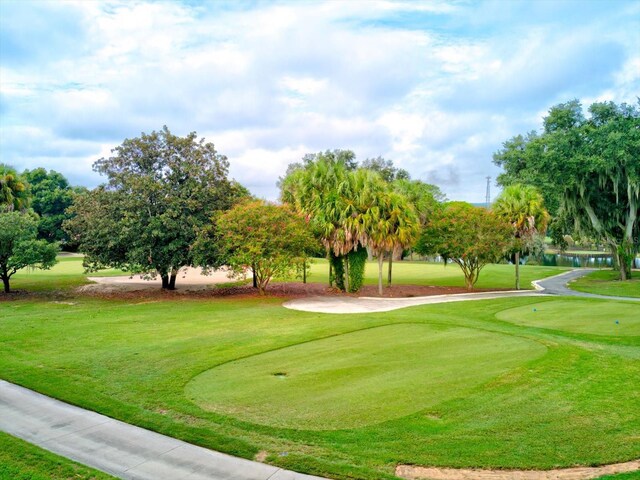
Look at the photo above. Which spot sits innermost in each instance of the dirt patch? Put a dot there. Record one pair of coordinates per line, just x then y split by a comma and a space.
261, 456
413, 472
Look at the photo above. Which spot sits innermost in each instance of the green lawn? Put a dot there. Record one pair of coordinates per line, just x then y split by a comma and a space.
69, 273
421, 273
20, 460
606, 282
476, 384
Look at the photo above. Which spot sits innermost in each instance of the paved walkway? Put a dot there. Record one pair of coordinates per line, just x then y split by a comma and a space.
555, 285
117, 448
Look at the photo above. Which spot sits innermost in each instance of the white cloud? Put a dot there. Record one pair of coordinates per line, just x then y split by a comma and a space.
436, 86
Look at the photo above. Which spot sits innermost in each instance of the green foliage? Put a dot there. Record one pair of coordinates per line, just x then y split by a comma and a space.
51, 197
522, 206
357, 261
588, 171
14, 190
270, 239
162, 190
350, 209
387, 170
19, 247
472, 237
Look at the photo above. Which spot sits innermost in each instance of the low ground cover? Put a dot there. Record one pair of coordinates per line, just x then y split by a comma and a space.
556, 396
20, 460
607, 282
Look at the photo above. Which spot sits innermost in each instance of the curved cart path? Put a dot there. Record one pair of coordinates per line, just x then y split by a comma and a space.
555, 285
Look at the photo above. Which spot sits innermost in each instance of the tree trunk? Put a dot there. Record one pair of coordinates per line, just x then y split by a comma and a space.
380, 260
165, 280
390, 269
5, 281
172, 280
346, 274
253, 275
330, 273
518, 270
304, 271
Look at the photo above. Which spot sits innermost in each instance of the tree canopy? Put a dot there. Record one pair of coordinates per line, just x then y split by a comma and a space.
472, 237
14, 190
19, 247
522, 206
272, 240
51, 197
587, 169
162, 189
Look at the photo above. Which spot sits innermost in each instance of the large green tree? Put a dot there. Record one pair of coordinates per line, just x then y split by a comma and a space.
162, 190
272, 240
19, 247
590, 166
51, 197
522, 206
14, 190
472, 237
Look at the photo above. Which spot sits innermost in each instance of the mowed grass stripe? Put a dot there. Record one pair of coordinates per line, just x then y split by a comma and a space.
359, 378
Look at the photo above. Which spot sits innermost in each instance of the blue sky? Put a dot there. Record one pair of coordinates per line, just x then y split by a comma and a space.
435, 86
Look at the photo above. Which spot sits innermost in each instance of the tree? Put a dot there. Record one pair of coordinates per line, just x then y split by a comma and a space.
19, 247
522, 206
272, 240
51, 197
387, 170
389, 222
161, 191
472, 237
14, 190
592, 164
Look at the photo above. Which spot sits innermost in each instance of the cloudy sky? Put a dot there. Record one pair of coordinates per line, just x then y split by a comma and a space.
436, 86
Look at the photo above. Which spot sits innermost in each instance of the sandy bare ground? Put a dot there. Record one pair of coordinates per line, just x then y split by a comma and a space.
413, 472
188, 280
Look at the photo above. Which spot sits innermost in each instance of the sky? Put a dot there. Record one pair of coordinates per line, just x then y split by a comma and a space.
435, 86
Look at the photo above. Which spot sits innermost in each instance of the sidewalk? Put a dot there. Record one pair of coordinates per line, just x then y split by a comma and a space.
118, 448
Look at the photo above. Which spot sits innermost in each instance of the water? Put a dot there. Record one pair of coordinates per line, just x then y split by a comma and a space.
592, 260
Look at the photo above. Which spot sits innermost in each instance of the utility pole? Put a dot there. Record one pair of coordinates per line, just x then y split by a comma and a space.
488, 196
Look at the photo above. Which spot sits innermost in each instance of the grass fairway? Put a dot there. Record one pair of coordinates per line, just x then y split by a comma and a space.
421, 273
68, 273
612, 319
359, 378
606, 282
20, 460
471, 389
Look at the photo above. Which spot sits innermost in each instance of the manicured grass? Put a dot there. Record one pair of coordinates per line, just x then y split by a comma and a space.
358, 378
66, 274
422, 273
20, 460
555, 398
613, 319
607, 282
69, 273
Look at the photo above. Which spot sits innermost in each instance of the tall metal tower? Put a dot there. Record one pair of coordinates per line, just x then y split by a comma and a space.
488, 196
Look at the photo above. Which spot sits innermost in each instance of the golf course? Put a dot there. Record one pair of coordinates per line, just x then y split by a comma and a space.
531, 383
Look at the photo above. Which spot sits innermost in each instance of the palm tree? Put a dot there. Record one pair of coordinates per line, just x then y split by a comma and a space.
14, 191
523, 207
389, 223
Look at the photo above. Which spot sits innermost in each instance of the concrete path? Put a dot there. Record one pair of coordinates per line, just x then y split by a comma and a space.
117, 448
557, 285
